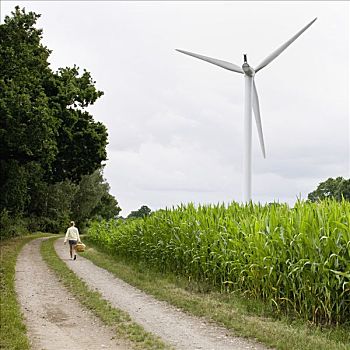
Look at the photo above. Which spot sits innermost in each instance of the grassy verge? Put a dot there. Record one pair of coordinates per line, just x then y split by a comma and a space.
125, 327
12, 329
247, 318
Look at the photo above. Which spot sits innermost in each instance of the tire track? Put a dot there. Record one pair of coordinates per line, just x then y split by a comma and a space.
181, 330
54, 320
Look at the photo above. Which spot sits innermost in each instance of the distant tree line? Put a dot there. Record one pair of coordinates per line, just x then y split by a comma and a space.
51, 149
140, 213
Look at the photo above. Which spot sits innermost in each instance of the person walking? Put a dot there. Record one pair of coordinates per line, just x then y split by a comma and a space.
72, 235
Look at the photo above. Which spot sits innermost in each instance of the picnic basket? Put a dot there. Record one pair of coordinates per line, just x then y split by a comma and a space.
80, 247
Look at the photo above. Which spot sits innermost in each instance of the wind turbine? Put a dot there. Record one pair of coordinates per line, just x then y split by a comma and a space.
251, 102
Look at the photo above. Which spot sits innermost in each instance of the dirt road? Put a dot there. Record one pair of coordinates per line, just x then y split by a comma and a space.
172, 325
55, 321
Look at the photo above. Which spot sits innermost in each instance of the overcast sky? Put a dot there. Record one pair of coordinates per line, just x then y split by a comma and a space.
175, 123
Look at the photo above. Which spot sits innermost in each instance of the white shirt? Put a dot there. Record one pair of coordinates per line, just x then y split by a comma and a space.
72, 233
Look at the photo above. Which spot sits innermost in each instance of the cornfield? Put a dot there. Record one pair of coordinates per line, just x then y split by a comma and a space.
297, 258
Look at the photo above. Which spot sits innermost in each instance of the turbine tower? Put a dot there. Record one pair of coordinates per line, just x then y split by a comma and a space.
251, 103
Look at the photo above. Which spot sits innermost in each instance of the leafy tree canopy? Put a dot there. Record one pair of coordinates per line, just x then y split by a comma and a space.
82, 141
24, 105
50, 146
337, 188
93, 199
42, 112
44, 124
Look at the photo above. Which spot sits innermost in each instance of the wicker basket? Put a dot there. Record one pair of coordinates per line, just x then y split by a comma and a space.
80, 247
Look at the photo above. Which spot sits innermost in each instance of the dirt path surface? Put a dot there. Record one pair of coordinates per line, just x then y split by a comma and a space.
172, 325
55, 321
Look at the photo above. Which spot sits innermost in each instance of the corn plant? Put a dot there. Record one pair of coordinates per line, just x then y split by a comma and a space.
297, 258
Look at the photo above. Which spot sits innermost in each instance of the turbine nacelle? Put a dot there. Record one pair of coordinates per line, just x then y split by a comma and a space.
247, 69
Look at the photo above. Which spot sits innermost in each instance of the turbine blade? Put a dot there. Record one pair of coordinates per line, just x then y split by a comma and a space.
278, 51
256, 109
222, 64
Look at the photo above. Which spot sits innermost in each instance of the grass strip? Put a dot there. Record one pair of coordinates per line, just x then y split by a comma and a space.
125, 328
246, 318
13, 333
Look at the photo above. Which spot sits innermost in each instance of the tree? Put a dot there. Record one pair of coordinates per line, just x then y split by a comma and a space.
140, 213
51, 208
108, 207
93, 200
24, 109
55, 205
82, 141
337, 188
24, 105
46, 135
